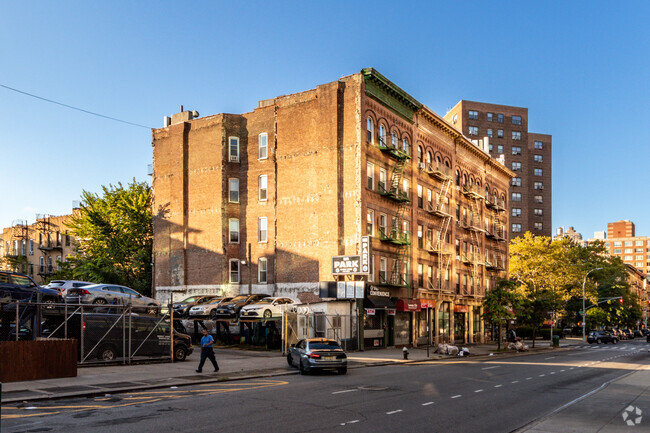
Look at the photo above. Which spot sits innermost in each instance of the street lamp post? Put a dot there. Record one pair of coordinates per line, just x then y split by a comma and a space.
584, 312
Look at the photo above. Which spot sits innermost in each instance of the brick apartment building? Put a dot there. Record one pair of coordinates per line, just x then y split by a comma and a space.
43, 245
526, 153
262, 201
621, 241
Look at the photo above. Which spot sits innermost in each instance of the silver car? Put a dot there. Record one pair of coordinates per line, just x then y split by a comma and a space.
317, 353
64, 285
104, 294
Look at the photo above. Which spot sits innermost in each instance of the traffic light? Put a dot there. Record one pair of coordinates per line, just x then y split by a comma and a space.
620, 301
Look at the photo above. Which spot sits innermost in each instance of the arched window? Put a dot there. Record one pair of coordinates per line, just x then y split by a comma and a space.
419, 153
382, 135
371, 131
406, 146
457, 178
464, 179
393, 139
428, 157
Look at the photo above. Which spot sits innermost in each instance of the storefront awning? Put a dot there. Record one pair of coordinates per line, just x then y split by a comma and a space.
378, 302
408, 305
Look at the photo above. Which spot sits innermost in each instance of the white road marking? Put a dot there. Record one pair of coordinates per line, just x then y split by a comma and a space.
498, 386
488, 368
347, 390
571, 368
456, 396
552, 372
427, 403
479, 390
528, 378
514, 381
393, 412
542, 375
550, 357
350, 422
561, 371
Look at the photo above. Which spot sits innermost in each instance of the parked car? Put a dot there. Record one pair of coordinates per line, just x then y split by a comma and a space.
104, 339
20, 287
601, 337
268, 308
183, 307
645, 332
64, 285
230, 310
317, 353
209, 309
638, 333
103, 294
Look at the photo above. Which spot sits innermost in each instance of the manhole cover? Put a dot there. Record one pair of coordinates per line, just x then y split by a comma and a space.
373, 388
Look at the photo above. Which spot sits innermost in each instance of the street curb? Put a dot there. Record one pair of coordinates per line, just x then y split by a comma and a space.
104, 391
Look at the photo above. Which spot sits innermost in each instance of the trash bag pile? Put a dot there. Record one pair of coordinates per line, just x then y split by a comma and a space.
518, 346
446, 349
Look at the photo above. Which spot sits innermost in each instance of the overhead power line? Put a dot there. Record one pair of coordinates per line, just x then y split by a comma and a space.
74, 108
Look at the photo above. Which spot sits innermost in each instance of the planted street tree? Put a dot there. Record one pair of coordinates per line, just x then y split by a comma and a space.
498, 305
114, 237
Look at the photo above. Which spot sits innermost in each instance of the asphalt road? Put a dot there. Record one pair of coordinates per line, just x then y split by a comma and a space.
499, 394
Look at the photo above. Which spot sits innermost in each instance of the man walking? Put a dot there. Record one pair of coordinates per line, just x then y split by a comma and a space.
207, 351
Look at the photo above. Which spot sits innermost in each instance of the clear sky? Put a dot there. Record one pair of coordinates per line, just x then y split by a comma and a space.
582, 69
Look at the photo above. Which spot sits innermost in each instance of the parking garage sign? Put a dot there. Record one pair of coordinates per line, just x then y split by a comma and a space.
346, 265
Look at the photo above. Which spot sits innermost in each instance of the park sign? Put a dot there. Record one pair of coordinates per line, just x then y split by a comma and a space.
346, 265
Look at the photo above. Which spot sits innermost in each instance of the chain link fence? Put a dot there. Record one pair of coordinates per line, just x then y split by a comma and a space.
107, 333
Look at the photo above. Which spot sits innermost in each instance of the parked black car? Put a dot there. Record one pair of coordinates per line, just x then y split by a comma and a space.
103, 338
628, 334
601, 337
20, 287
182, 308
231, 309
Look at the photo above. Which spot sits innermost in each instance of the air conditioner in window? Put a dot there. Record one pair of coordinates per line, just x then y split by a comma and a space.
233, 158
420, 165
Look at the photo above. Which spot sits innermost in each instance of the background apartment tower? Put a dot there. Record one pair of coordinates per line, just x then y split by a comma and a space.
527, 154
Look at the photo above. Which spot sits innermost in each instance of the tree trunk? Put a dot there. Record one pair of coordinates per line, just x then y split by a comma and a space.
534, 333
499, 336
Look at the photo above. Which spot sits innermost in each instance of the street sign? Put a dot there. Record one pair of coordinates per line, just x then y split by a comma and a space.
346, 265
365, 254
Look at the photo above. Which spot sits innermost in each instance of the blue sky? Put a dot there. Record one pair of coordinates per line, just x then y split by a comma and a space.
581, 68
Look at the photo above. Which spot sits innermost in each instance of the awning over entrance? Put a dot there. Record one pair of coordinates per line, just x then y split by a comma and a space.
378, 302
408, 305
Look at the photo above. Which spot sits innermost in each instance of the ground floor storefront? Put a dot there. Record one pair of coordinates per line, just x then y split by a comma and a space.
390, 320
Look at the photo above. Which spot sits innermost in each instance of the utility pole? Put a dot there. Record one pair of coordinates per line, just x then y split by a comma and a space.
584, 312
250, 271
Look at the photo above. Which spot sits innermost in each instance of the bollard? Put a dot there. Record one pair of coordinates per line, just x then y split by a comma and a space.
405, 352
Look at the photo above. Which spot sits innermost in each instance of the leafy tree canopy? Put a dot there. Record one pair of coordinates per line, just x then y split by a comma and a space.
114, 237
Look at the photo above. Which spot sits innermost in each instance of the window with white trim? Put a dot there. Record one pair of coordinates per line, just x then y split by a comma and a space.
516, 181
539, 145
370, 131
370, 222
538, 226
261, 230
516, 212
233, 190
538, 172
262, 187
233, 149
383, 174
234, 270
537, 158
262, 269
516, 166
516, 228
473, 130
516, 135
370, 172
516, 196
516, 150
489, 132
383, 265
473, 115
233, 230
516, 120
262, 146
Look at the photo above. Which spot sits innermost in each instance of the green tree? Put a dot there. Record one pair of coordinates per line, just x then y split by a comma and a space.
498, 304
114, 237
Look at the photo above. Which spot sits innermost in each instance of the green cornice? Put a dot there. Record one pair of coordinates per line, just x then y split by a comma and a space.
387, 92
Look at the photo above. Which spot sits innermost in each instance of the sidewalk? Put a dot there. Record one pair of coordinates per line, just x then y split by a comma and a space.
617, 407
234, 364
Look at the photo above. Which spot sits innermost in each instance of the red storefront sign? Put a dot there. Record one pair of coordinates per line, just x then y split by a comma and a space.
427, 303
408, 305
460, 308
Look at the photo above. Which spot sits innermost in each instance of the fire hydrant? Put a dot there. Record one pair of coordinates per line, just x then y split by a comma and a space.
405, 352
